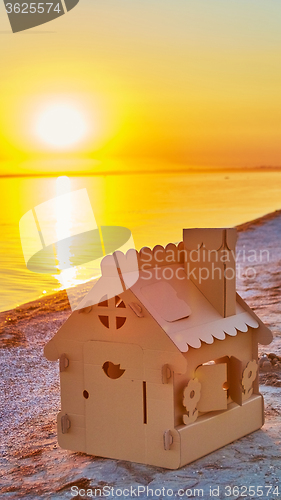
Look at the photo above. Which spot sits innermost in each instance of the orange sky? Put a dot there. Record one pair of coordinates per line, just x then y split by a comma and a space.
180, 82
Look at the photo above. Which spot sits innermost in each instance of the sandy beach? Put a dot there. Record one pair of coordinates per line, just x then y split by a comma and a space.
32, 464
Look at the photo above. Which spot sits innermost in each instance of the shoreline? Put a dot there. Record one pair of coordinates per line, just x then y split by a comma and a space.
58, 301
259, 221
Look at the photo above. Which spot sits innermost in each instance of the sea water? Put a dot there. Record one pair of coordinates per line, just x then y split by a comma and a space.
154, 206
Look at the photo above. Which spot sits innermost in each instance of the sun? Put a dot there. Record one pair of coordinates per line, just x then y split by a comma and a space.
61, 125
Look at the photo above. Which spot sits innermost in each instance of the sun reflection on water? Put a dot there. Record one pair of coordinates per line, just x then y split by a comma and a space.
64, 210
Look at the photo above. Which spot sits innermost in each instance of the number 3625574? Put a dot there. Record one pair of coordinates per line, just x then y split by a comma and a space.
32, 8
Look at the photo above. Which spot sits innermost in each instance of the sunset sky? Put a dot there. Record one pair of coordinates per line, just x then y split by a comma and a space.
180, 82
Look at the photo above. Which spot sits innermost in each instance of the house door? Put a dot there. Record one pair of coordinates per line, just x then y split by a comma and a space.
114, 399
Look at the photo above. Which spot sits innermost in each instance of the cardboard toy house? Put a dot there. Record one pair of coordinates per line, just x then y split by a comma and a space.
164, 371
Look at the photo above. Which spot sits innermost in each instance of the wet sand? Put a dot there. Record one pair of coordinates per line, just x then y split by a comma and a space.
32, 464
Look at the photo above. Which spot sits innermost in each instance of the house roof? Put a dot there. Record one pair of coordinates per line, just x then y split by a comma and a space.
181, 310
165, 289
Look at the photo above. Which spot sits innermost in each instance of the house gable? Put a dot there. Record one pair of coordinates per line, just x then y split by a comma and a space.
100, 322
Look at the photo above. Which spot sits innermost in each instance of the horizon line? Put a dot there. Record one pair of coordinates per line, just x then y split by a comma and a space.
138, 171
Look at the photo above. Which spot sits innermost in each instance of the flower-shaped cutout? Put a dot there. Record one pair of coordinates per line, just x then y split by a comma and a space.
191, 397
249, 375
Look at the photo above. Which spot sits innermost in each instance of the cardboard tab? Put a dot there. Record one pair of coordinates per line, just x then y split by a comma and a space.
64, 362
65, 424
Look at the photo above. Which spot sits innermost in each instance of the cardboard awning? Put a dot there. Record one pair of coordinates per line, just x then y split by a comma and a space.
208, 332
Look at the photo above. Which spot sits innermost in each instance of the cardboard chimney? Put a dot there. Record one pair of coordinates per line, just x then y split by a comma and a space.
211, 253
163, 369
